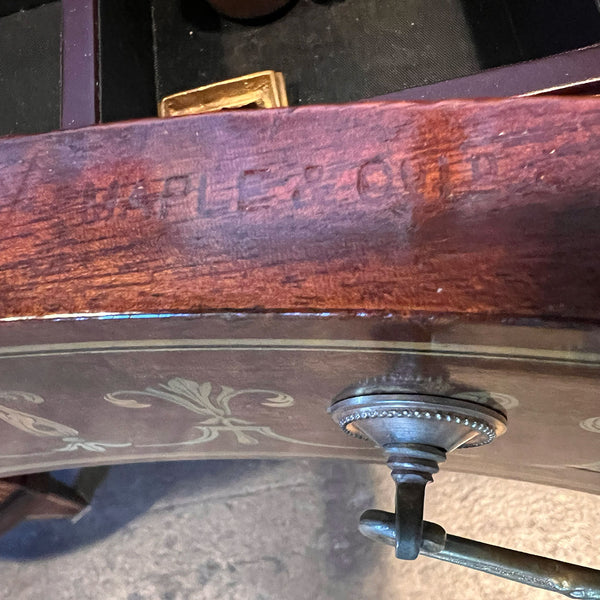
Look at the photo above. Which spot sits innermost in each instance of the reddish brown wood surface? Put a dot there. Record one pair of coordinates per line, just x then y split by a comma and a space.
478, 207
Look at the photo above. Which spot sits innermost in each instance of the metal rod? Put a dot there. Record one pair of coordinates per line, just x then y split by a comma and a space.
410, 497
573, 581
570, 580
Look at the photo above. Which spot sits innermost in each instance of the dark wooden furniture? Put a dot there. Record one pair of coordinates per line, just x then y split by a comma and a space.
202, 287
36, 496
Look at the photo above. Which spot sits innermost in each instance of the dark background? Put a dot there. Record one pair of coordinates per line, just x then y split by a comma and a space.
328, 50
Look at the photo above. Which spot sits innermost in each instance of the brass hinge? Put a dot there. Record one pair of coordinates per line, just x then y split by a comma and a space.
265, 89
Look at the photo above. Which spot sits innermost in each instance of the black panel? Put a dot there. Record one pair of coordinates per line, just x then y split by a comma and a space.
127, 88
30, 70
508, 31
341, 50
546, 27
328, 51
493, 32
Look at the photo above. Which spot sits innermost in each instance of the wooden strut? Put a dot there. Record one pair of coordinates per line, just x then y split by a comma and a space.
483, 208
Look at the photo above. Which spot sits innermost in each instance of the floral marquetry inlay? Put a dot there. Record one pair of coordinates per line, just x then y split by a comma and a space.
28, 422
595, 467
592, 424
213, 404
42, 427
506, 401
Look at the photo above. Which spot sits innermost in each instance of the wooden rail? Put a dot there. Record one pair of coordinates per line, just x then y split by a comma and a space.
473, 207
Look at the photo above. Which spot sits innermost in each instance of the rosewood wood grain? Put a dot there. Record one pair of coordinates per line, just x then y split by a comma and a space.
480, 208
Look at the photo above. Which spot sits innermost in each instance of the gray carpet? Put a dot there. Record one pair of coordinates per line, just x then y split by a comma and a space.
284, 530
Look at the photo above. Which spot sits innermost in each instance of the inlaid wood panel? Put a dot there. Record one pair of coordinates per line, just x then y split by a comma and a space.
225, 276
109, 390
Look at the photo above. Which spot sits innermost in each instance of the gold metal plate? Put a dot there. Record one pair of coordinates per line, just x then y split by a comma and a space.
258, 90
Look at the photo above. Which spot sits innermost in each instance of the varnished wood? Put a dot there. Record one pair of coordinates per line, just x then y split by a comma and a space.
308, 248
485, 208
89, 391
36, 496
